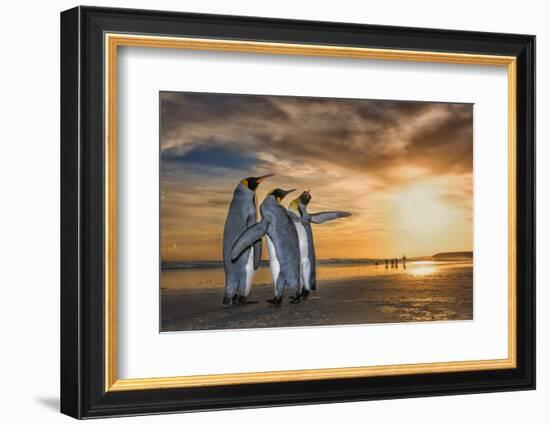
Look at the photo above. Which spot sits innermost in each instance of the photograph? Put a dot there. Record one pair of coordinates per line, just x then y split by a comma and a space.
285, 211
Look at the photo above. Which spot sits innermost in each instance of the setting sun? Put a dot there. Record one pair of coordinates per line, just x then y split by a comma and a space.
421, 208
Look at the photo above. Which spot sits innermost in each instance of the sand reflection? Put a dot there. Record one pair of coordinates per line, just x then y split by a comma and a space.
215, 278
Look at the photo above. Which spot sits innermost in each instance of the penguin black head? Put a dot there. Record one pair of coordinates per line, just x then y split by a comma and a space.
305, 198
253, 182
279, 194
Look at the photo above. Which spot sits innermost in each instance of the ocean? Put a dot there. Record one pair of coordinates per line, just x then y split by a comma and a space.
201, 275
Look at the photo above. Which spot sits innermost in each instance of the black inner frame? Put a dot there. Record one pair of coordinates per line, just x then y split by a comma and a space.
82, 212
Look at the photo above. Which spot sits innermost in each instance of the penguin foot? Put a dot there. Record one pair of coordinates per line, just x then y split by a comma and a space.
275, 300
295, 299
304, 294
246, 301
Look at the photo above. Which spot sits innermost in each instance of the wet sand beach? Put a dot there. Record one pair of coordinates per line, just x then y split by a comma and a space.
425, 291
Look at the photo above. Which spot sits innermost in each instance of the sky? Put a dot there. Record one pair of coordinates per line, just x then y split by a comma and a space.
403, 169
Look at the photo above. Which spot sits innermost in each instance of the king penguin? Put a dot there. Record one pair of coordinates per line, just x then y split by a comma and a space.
282, 245
242, 214
297, 210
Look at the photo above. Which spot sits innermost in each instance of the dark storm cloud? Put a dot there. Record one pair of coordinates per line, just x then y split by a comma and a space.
192, 107
445, 146
210, 154
370, 136
188, 110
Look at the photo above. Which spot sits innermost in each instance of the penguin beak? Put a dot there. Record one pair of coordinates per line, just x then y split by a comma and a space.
286, 192
253, 182
262, 178
279, 194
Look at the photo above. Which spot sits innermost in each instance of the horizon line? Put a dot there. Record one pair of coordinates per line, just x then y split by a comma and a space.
340, 258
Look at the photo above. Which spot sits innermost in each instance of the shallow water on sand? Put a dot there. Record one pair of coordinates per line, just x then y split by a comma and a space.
346, 294
176, 279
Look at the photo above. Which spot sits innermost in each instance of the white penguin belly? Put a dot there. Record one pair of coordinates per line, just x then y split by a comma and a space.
273, 263
305, 267
249, 270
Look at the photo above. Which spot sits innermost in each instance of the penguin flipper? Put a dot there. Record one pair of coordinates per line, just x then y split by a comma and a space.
322, 217
304, 215
248, 238
257, 253
257, 247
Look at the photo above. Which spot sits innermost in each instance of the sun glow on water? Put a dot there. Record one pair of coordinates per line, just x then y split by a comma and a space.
422, 270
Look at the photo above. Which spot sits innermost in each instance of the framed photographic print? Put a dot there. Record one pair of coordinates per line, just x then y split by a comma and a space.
261, 212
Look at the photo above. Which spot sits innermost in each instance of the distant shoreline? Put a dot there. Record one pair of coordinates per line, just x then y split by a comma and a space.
218, 264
